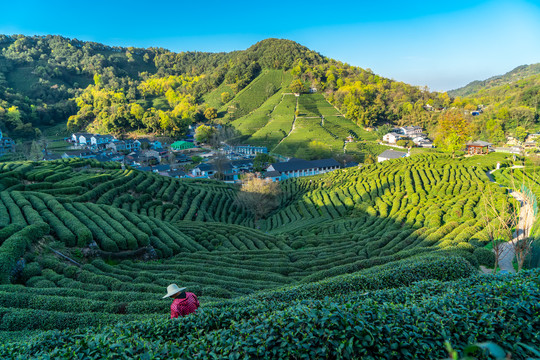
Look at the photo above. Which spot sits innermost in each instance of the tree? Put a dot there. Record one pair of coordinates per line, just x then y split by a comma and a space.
508, 224
261, 161
145, 145
196, 159
204, 133
405, 143
520, 133
225, 97
259, 196
369, 159
452, 132
210, 113
383, 130
36, 152
297, 86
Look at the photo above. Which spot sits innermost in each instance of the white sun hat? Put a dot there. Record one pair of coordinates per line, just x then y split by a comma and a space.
173, 289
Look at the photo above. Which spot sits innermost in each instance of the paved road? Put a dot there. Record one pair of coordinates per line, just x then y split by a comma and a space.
525, 222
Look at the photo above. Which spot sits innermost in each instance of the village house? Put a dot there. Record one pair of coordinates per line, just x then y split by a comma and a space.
410, 131
177, 174
117, 146
246, 150
81, 138
151, 153
392, 137
100, 141
82, 154
298, 167
272, 175
478, 147
390, 155
240, 166
422, 141
529, 145
208, 170
6, 144
182, 145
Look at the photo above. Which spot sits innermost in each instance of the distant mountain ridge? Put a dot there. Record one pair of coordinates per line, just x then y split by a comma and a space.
514, 75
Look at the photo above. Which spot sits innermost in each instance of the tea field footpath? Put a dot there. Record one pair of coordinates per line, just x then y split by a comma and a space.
526, 221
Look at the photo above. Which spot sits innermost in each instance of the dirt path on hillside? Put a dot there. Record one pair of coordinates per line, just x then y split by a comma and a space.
292, 127
525, 223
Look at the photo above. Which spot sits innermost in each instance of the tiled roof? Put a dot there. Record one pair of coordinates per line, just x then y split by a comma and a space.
299, 164
392, 154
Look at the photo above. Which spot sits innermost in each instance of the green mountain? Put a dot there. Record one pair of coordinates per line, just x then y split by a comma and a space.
51, 82
379, 261
48, 80
513, 76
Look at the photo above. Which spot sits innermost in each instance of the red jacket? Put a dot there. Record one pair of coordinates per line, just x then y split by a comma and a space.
182, 307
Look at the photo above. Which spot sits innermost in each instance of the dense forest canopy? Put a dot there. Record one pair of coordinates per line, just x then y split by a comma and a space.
47, 80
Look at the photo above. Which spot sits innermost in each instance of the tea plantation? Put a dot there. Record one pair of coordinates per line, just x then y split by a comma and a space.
377, 262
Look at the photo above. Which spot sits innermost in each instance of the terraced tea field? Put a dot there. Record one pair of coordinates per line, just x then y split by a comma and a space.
85, 244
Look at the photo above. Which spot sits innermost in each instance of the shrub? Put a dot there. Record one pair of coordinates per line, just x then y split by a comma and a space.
485, 257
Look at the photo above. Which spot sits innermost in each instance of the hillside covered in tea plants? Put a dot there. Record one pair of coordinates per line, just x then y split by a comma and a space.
379, 262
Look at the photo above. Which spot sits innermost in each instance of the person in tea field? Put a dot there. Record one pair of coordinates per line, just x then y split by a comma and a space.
184, 303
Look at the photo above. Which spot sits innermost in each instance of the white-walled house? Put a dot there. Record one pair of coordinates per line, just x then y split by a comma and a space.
101, 140
82, 138
392, 137
298, 168
411, 131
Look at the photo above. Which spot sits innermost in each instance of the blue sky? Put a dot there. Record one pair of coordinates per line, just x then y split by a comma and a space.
443, 45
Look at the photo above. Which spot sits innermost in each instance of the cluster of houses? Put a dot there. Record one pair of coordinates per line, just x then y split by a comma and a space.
7, 144
414, 133
97, 142
107, 148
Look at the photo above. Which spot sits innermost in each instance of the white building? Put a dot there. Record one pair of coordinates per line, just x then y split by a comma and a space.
392, 137
82, 138
101, 140
411, 130
298, 168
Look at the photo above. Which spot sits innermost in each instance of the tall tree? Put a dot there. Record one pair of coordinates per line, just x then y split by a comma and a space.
210, 113
204, 133
297, 87
259, 196
452, 132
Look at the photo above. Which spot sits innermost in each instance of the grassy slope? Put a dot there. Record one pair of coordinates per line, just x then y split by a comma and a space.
213, 98
255, 94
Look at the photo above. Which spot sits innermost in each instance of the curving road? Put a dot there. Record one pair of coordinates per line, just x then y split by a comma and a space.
525, 223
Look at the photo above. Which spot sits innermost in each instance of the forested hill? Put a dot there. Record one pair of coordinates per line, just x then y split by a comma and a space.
41, 75
46, 80
512, 76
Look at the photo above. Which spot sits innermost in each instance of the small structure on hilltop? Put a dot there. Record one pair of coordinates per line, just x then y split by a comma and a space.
478, 147
390, 155
182, 145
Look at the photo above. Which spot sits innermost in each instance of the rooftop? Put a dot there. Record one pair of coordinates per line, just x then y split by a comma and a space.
299, 164
479, 143
392, 154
